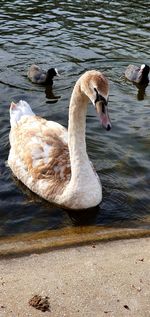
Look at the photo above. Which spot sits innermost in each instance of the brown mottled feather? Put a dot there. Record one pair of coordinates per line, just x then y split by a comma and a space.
57, 167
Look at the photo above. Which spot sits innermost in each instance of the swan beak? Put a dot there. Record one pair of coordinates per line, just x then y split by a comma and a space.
102, 112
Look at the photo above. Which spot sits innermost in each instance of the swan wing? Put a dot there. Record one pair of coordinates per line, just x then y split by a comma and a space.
39, 149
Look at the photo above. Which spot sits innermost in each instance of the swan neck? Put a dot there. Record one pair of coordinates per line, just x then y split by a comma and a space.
77, 126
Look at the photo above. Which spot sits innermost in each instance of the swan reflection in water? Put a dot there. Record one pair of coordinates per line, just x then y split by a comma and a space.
74, 218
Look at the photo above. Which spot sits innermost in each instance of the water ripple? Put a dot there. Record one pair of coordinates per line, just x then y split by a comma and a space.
76, 36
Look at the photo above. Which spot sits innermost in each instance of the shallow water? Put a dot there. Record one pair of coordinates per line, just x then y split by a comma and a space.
75, 36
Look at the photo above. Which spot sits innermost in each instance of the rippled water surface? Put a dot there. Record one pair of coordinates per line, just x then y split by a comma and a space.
75, 36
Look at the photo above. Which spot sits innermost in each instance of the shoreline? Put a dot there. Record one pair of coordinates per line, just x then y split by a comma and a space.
45, 241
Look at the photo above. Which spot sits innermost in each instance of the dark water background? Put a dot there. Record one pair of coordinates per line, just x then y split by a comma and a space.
75, 36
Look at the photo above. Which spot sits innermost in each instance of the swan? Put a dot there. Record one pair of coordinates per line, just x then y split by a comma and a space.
138, 75
52, 162
39, 76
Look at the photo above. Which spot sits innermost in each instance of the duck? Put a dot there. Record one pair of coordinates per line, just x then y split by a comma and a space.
138, 75
39, 76
53, 161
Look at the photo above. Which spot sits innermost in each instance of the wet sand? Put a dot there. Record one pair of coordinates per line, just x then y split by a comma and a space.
100, 279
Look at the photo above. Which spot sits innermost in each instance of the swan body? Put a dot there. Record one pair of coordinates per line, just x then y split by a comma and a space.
53, 162
39, 76
138, 75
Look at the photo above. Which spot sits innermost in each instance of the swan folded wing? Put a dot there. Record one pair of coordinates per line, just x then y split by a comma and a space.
41, 146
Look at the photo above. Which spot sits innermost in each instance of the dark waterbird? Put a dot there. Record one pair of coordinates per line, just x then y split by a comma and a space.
138, 75
39, 76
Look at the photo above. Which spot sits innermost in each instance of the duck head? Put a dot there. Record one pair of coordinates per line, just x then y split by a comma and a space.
51, 73
143, 74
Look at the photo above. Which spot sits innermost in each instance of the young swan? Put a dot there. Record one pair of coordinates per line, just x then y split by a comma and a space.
39, 76
52, 162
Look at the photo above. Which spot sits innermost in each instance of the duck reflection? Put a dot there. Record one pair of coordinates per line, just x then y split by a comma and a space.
52, 98
141, 91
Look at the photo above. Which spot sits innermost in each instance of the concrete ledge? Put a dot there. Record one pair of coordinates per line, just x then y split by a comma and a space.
45, 241
104, 279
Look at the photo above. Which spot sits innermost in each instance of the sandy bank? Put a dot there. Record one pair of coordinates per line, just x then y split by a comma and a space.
104, 279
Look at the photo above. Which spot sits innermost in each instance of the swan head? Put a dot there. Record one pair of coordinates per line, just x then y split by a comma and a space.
95, 86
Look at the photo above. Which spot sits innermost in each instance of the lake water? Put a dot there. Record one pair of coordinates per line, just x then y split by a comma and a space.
75, 36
